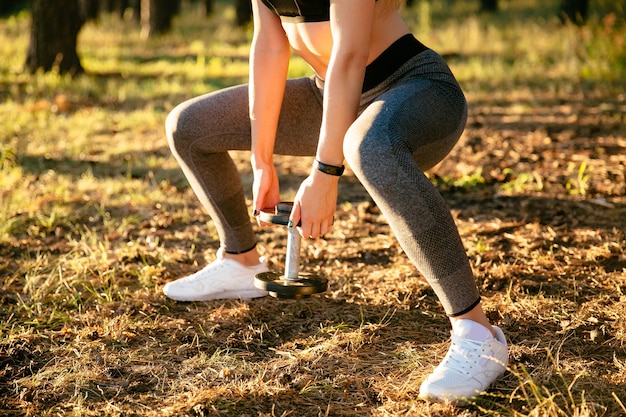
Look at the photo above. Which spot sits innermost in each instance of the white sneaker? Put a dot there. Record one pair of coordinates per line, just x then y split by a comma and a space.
474, 361
223, 278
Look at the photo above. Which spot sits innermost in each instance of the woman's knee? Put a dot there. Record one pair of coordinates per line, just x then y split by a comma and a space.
174, 129
354, 151
186, 124
213, 119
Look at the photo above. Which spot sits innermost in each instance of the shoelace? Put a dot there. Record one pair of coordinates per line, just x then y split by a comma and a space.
197, 275
462, 355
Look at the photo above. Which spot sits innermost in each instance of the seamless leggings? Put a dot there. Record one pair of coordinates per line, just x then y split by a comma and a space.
406, 125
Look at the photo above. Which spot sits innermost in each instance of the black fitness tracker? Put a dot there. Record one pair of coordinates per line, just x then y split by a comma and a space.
330, 169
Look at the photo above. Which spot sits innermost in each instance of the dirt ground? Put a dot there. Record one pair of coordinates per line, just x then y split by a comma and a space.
541, 208
538, 190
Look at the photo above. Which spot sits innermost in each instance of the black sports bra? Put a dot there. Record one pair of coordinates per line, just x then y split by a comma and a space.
402, 50
300, 10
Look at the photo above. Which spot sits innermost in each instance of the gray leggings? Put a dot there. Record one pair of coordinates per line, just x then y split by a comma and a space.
406, 125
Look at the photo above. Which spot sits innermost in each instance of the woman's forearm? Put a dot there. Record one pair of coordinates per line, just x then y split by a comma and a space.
269, 61
351, 29
341, 100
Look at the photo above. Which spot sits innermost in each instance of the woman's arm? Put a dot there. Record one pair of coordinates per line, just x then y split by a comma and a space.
351, 30
269, 61
351, 27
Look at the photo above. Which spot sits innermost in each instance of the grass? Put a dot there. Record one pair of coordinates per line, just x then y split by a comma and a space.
95, 216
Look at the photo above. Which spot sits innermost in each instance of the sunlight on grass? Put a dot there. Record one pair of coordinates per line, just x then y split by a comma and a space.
96, 215
521, 182
561, 398
507, 55
466, 181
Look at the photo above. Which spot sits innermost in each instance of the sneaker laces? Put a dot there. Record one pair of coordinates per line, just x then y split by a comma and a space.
219, 263
213, 266
463, 355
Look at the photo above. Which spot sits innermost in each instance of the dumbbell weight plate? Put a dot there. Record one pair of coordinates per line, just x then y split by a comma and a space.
284, 207
279, 216
280, 286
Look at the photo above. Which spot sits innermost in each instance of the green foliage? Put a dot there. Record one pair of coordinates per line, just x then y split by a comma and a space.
522, 182
579, 184
518, 42
465, 181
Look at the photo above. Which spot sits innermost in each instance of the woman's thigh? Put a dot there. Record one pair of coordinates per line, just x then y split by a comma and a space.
422, 117
219, 121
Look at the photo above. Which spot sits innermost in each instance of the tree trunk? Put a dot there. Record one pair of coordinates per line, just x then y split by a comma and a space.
53, 36
208, 7
488, 5
130, 6
156, 16
575, 11
90, 9
10, 6
244, 12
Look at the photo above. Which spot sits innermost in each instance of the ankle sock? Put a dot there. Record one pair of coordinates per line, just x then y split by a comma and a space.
470, 329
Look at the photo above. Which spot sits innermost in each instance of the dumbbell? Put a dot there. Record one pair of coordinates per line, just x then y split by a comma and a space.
293, 284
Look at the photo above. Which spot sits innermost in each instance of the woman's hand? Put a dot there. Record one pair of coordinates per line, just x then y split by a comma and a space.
315, 204
265, 188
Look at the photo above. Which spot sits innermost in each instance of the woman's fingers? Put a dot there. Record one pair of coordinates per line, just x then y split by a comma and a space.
313, 230
295, 216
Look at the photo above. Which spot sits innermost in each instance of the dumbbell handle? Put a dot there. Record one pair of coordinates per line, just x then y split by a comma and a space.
280, 216
292, 284
292, 261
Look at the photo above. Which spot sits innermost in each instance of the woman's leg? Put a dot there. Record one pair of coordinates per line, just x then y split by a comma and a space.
406, 130
202, 130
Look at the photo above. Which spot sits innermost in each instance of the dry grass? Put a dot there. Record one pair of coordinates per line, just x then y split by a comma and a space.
95, 217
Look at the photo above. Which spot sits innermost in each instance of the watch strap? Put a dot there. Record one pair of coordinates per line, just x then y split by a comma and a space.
330, 169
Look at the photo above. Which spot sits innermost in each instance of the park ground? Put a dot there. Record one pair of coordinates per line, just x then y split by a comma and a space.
95, 216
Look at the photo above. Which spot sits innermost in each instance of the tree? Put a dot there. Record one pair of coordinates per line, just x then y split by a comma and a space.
11, 6
208, 6
575, 11
53, 36
90, 9
488, 5
244, 12
157, 15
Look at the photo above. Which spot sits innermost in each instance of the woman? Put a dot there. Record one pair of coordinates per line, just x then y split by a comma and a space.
379, 99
